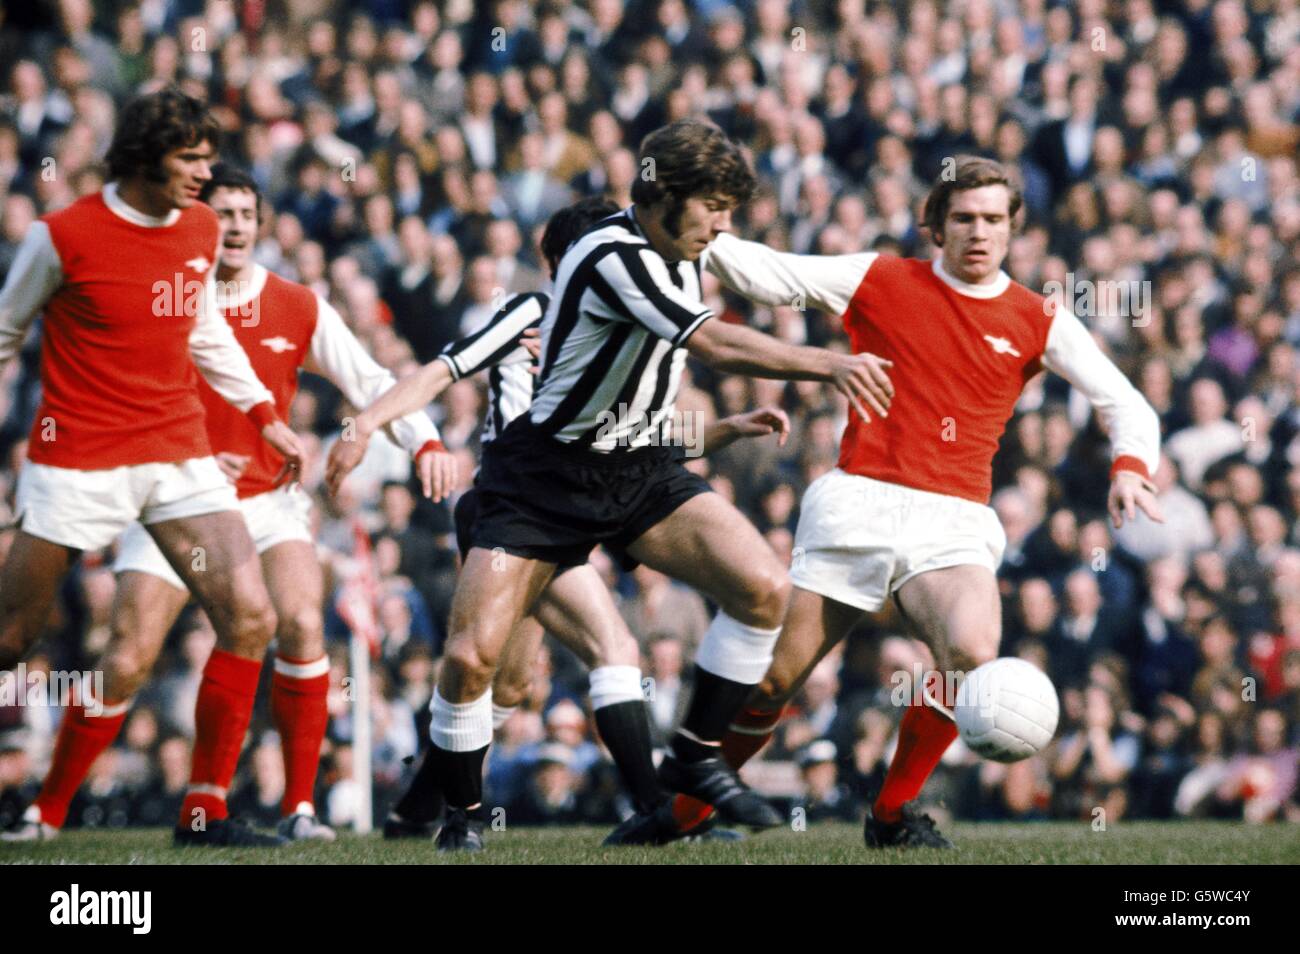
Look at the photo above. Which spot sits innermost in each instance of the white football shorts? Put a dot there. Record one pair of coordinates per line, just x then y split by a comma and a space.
860, 539
274, 517
87, 509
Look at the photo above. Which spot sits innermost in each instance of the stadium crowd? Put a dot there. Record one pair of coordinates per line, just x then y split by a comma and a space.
409, 154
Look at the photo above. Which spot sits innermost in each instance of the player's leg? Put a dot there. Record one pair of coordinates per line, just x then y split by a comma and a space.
29, 583
494, 591
708, 544
301, 680
215, 557
578, 609
145, 607
957, 612
814, 625
515, 670
414, 814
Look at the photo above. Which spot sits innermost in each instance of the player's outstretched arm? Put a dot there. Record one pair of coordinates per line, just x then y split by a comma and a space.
775, 279
497, 343
501, 340
859, 377
756, 423
409, 395
34, 276
337, 355
1131, 422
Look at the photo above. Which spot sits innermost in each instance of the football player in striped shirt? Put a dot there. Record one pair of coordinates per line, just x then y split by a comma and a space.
123, 279
282, 327
576, 606
594, 462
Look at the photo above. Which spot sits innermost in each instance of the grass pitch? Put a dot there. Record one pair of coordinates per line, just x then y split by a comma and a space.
826, 844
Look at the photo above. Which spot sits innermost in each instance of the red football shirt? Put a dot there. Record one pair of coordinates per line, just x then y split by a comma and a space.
960, 364
274, 324
117, 380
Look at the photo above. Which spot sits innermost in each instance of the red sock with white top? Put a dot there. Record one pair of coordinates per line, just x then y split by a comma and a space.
298, 692
221, 717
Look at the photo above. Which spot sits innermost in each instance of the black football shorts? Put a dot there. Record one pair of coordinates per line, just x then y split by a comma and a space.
540, 499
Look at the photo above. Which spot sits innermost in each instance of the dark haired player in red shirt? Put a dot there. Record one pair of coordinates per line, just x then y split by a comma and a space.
283, 327
123, 278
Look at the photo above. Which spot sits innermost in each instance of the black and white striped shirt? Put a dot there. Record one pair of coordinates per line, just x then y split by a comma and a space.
496, 346
612, 354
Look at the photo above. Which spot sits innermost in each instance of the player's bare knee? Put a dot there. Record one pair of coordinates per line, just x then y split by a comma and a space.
125, 670
301, 633
464, 654
762, 599
509, 693
251, 627
975, 647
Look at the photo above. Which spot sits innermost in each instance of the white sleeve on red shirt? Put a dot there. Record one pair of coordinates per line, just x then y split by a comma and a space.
35, 275
826, 282
1131, 422
218, 355
338, 355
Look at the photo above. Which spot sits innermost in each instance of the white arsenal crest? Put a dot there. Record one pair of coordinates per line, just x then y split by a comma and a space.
1001, 346
279, 344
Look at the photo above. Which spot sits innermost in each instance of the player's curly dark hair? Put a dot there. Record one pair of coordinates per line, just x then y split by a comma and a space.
152, 126
968, 172
567, 226
691, 159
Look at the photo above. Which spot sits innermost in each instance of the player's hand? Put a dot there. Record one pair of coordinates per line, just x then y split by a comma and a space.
1129, 491
280, 436
862, 379
438, 471
232, 465
531, 340
345, 455
760, 422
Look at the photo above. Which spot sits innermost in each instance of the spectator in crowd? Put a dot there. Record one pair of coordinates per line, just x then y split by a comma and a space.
824, 797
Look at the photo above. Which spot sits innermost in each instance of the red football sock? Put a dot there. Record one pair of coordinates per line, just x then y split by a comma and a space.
747, 734
82, 737
221, 718
745, 737
298, 692
923, 736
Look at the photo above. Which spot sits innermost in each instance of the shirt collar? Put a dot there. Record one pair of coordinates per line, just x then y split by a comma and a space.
118, 206
991, 290
636, 226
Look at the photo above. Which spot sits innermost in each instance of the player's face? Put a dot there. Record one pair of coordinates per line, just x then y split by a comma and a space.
703, 220
237, 212
976, 233
186, 170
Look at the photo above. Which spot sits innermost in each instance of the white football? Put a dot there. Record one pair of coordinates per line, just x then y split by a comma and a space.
1007, 710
